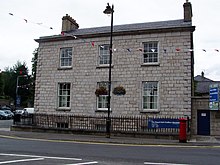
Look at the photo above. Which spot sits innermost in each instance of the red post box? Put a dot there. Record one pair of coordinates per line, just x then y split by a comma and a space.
182, 130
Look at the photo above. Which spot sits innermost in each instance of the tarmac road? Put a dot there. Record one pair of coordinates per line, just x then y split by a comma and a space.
49, 148
74, 149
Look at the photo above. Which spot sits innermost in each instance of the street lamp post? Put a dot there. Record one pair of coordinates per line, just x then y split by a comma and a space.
109, 10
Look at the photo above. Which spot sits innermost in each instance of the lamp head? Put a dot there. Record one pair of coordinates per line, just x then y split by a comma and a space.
109, 9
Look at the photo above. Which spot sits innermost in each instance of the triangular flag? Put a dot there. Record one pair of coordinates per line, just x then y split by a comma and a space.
93, 43
25, 20
153, 50
203, 50
177, 49
216, 50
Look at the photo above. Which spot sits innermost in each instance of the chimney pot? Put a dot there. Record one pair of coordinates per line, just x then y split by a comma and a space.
202, 74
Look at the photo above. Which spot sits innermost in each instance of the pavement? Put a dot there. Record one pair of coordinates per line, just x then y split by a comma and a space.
116, 140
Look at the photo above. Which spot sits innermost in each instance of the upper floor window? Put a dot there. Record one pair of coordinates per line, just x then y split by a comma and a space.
150, 95
64, 95
104, 55
150, 52
65, 57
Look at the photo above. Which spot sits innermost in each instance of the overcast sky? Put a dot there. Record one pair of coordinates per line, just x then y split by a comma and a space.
31, 19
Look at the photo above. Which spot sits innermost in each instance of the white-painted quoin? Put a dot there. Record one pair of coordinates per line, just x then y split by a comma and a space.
150, 60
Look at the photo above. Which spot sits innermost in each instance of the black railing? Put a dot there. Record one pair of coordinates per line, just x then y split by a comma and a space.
122, 124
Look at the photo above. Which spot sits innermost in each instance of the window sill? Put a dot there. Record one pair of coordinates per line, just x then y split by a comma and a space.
104, 66
65, 68
102, 110
150, 64
63, 109
150, 111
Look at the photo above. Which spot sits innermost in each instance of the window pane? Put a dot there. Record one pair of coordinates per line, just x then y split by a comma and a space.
150, 95
150, 52
64, 95
104, 55
66, 57
103, 101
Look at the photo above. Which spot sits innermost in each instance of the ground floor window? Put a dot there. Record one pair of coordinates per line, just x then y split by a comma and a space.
64, 95
150, 95
102, 99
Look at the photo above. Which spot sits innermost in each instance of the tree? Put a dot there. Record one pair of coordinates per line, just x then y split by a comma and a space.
16, 81
1, 84
34, 63
33, 76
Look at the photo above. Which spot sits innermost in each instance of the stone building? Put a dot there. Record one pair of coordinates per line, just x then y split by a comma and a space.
152, 61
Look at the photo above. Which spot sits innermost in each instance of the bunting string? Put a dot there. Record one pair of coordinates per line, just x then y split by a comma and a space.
130, 50
92, 43
32, 22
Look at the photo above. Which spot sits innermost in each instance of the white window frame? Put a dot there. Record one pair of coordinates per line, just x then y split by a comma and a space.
150, 96
66, 57
150, 52
104, 55
104, 98
64, 95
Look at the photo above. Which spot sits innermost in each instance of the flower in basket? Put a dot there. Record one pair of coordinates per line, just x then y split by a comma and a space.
101, 91
119, 90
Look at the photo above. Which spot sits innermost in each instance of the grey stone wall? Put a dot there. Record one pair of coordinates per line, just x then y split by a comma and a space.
173, 74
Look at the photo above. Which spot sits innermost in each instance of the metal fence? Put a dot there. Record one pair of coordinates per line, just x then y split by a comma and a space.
119, 124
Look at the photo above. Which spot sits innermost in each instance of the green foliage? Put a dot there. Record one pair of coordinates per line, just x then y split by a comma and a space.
1, 85
16, 79
34, 63
9, 78
33, 78
16, 74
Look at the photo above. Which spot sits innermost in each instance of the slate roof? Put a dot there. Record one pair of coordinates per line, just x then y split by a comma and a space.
202, 85
133, 27
126, 28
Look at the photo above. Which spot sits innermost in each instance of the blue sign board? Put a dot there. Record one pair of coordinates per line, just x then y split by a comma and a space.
18, 101
214, 97
163, 123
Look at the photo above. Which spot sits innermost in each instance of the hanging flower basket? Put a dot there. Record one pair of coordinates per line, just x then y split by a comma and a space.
119, 90
101, 91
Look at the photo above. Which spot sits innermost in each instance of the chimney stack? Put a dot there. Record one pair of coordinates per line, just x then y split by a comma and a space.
187, 11
202, 74
68, 24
